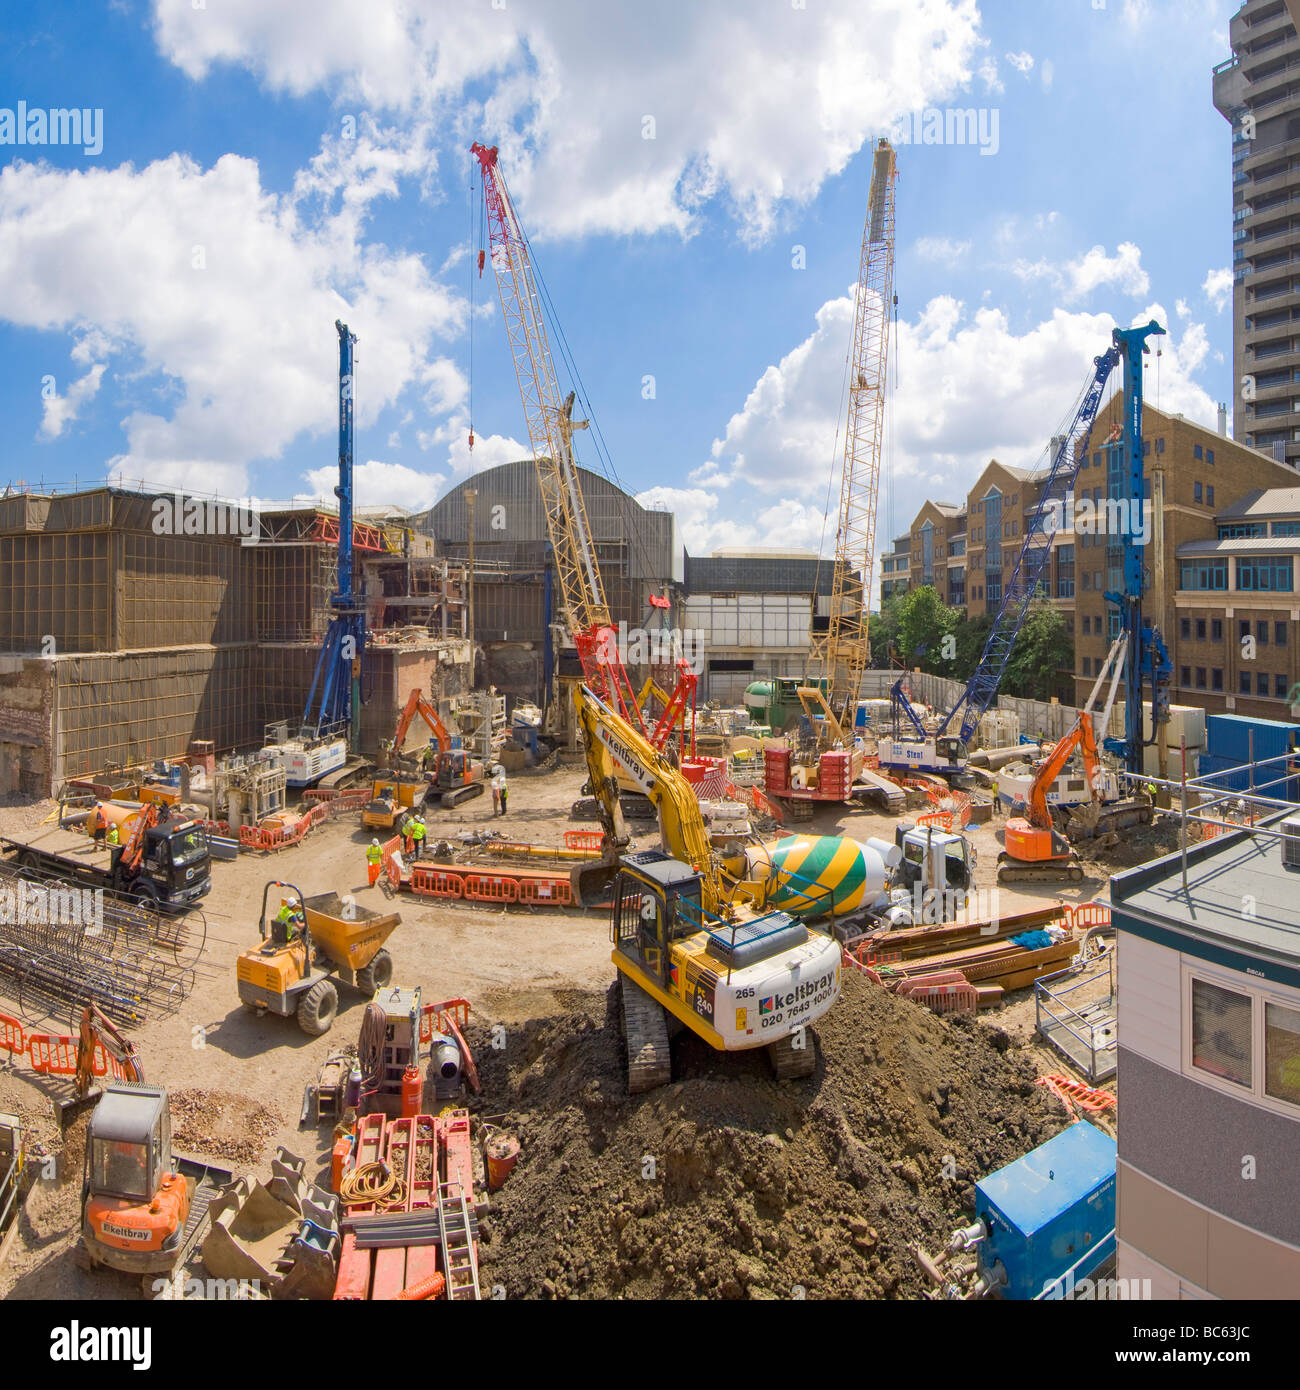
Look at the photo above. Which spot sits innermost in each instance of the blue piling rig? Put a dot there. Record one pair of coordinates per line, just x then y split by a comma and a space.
338, 667
1146, 657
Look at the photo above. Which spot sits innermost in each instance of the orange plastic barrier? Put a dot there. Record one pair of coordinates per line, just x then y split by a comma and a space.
583, 839
491, 888
941, 820
437, 883
1086, 915
549, 892
53, 1055
1085, 1097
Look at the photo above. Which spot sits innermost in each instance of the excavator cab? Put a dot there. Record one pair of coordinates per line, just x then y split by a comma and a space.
141, 1206
134, 1204
656, 902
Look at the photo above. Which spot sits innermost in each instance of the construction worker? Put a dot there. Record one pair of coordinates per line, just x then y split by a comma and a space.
430, 756
289, 918
374, 861
505, 790
111, 834
496, 798
96, 822
417, 836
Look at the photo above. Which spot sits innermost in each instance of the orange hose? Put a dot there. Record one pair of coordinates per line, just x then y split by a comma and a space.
431, 1287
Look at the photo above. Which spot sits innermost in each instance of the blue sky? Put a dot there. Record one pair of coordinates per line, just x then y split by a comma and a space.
167, 304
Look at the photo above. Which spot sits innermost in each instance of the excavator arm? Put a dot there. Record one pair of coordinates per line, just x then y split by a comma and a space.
1080, 737
417, 704
685, 835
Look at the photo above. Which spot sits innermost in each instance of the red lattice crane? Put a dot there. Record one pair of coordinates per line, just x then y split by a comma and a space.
550, 430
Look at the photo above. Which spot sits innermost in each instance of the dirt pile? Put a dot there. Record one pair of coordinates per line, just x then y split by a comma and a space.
1134, 845
726, 1184
221, 1124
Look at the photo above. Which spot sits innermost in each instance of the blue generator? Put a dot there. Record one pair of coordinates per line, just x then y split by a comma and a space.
1050, 1215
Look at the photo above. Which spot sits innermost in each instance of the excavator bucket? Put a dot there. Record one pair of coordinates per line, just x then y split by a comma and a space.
282, 1235
593, 884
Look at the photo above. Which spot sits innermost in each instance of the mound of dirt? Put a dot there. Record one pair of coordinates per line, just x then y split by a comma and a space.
221, 1124
726, 1184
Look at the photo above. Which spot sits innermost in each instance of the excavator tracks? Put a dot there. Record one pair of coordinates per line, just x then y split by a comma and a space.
791, 1063
645, 1026
1011, 870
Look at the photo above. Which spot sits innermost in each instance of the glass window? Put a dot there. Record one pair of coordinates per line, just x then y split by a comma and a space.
1209, 457
1282, 1053
1087, 665
1184, 676
120, 1169
1243, 629
1216, 630
1209, 495
1204, 574
1216, 679
1261, 634
1279, 634
1185, 629
1221, 1032
1268, 574
1200, 629
1279, 687
1243, 682
1201, 682
1196, 492
1261, 683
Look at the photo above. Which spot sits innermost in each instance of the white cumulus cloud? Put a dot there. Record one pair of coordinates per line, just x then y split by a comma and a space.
1217, 286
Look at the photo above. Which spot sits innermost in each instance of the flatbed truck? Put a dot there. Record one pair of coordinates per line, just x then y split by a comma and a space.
173, 871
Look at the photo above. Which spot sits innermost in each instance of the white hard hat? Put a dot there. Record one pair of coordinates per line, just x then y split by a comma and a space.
292, 902
374, 842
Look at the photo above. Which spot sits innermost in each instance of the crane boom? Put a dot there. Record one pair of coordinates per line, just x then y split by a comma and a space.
845, 652
1035, 552
550, 431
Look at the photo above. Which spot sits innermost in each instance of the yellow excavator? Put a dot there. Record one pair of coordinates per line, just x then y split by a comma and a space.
692, 945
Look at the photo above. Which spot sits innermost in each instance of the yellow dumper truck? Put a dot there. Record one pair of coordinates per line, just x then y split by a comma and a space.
304, 943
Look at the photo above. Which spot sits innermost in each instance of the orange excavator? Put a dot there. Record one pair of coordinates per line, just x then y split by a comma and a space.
1036, 851
455, 776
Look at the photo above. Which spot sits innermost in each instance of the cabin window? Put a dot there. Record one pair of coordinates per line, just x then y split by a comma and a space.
1221, 1041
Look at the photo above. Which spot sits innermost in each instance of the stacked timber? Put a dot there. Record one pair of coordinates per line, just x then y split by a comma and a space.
983, 951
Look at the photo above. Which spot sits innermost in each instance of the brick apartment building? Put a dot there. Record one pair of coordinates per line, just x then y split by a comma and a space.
1216, 507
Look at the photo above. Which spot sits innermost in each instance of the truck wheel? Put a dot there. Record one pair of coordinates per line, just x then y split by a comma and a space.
145, 894
317, 1008
31, 862
375, 975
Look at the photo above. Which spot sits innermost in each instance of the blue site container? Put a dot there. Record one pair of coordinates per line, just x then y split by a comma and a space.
1050, 1212
1229, 736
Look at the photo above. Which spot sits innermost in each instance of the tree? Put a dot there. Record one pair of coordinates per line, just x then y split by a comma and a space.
972, 634
924, 621
1043, 648
883, 630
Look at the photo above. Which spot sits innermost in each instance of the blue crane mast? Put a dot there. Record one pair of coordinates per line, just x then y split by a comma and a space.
1147, 659
338, 667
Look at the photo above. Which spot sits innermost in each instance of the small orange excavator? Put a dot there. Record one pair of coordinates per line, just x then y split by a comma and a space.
455, 776
1036, 852
143, 1208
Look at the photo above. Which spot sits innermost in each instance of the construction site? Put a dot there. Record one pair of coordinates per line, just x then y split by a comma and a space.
385, 914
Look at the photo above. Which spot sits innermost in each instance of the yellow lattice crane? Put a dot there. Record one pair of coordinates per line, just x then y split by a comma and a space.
845, 651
